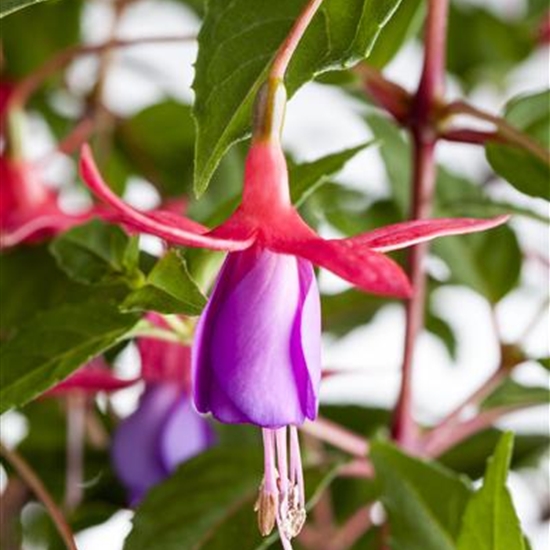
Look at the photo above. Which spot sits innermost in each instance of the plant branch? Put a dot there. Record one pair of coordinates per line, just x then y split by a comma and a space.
336, 435
31, 83
288, 47
352, 530
28, 475
505, 131
426, 102
76, 431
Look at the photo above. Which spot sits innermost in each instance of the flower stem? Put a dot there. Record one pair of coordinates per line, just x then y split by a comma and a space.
504, 131
426, 101
28, 475
353, 529
288, 47
31, 83
338, 436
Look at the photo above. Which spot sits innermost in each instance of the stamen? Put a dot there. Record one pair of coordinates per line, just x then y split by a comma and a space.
296, 470
267, 503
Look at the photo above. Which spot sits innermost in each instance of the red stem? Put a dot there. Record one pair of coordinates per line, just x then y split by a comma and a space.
338, 436
426, 101
288, 47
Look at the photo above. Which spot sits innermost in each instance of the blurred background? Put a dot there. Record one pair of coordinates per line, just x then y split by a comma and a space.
490, 62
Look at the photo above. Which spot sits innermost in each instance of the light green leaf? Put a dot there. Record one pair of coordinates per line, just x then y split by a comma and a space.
168, 289
424, 501
237, 43
54, 344
527, 173
512, 394
98, 253
490, 521
307, 177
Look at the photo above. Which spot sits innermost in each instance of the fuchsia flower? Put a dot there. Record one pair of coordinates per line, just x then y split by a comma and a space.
165, 430
256, 356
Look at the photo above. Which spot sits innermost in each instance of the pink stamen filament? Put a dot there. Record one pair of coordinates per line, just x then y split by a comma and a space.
270, 482
296, 471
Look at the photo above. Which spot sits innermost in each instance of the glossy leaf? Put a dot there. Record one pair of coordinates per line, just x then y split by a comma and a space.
237, 43
54, 344
424, 501
10, 6
307, 177
490, 521
513, 394
168, 289
527, 173
97, 253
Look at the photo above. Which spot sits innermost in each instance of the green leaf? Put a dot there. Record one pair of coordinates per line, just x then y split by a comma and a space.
512, 394
31, 37
10, 6
490, 521
159, 143
471, 60
470, 456
442, 329
347, 310
306, 178
527, 173
404, 24
545, 362
424, 501
54, 344
168, 289
97, 253
237, 43
203, 495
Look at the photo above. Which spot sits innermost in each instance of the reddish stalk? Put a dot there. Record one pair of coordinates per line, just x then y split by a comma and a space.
76, 431
28, 475
336, 435
426, 102
288, 47
31, 83
354, 528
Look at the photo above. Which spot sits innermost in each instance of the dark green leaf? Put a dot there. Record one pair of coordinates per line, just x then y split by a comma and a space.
168, 289
470, 456
493, 47
545, 362
31, 37
424, 501
10, 6
349, 309
98, 253
527, 173
54, 344
512, 394
237, 43
404, 24
306, 178
204, 494
440, 328
490, 521
159, 143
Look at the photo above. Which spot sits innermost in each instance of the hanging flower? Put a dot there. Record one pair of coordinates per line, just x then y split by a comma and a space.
165, 430
256, 356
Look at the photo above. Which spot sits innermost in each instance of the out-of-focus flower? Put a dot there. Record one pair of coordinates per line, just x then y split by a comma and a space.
165, 430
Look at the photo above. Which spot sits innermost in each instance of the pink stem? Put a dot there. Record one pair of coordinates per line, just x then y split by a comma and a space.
429, 94
338, 436
354, 528
288, 47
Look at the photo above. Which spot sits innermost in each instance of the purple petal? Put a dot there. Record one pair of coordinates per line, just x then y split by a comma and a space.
134, 451
254, 358
184, 435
